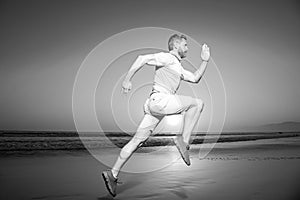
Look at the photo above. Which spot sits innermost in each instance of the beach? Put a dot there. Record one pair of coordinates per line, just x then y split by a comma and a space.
260, 169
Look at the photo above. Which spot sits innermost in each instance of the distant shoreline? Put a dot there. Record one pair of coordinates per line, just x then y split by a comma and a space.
25, 133
18, 142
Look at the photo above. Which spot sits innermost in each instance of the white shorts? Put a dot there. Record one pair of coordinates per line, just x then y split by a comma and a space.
161, 104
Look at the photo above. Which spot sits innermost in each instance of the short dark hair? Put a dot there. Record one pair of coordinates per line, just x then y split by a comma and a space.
173, 38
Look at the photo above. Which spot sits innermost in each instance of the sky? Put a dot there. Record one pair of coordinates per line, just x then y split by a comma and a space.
255, 45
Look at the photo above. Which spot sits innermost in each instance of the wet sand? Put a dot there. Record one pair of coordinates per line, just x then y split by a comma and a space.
262, 169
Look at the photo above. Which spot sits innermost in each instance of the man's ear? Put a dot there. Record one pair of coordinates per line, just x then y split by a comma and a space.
176, 44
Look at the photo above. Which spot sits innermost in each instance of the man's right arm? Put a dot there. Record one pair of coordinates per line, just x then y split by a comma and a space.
136, 66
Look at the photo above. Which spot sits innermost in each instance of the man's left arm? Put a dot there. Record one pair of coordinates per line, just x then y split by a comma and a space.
196, 76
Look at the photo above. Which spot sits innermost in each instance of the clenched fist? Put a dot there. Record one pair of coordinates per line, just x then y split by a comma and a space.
205, 53
126, 86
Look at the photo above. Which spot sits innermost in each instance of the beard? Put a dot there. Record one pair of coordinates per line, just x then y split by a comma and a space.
182, 54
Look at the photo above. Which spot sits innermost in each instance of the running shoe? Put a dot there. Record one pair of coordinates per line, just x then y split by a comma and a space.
110, 182
183, 149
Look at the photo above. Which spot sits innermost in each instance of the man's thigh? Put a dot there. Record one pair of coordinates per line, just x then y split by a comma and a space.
147, 126
165, 104
178, 104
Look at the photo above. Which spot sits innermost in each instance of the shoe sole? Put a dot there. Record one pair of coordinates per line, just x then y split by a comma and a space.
182, 154
106, 180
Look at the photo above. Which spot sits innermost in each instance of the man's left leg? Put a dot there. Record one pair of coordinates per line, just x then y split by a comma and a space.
144, 130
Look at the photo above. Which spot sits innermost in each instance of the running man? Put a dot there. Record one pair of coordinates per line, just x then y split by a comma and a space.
163, 101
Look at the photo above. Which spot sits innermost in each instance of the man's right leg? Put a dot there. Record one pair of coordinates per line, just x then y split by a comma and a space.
191, 117
192, 109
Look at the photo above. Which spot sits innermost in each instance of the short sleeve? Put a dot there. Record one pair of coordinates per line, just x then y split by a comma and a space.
158, 59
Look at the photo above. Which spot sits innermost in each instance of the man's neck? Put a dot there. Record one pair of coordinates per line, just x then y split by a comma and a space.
175, 53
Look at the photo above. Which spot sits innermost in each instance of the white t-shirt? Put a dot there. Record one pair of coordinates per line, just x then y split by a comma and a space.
168, 72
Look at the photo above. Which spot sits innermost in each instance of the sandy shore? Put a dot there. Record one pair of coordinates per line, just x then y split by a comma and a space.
263, 169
